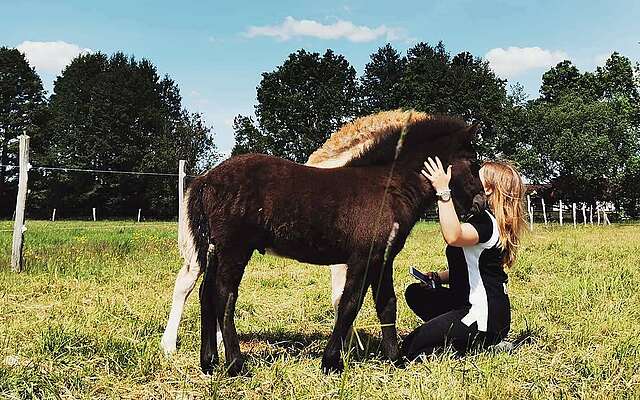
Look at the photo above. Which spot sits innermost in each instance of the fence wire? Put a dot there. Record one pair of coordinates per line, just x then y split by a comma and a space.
98, 171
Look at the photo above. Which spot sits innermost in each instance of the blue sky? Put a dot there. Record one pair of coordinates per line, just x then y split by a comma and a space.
216, 51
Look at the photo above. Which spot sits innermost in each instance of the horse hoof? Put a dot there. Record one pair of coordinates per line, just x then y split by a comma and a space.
399, 363
208, 371
329, 366
168, 346
393, 354
208, 365
235, 367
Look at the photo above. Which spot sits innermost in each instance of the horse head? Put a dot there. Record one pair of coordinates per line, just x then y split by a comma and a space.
466, 188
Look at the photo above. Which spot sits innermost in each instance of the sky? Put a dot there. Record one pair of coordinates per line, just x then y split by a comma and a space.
217, 51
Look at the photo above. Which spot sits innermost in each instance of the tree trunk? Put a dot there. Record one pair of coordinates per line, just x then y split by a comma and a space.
3, 161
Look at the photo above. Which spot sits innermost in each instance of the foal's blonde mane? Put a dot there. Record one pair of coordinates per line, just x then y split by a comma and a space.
355, 139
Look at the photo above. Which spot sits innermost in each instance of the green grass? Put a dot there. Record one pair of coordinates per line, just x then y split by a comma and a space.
85, 318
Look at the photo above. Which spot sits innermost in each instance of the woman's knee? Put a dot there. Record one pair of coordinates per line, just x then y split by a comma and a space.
414, 293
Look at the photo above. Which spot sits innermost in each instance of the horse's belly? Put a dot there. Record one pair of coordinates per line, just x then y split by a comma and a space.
309, 257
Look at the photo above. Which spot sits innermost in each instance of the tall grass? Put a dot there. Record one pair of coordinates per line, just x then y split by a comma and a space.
85, 318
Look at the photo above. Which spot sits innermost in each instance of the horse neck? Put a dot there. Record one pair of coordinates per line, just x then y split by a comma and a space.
416, 192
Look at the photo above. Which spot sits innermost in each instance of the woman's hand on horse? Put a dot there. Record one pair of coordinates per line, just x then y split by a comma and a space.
435, 173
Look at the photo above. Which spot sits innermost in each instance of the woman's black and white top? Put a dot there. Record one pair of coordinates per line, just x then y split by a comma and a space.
477, 279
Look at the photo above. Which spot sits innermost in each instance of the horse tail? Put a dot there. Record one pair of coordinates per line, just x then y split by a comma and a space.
195, 230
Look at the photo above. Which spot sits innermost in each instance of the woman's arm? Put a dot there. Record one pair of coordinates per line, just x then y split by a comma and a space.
454, 233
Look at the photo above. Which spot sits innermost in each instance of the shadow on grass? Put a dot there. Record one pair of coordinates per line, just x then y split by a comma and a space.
526, 336
274, 344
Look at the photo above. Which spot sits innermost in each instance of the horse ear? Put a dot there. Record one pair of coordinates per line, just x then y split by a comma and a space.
471, 132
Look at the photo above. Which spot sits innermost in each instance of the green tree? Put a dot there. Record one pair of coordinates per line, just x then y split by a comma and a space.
584, 146
380, 83
301, 103
249, 139
22, 110
464, 86
582, 134
117, 113
564, 77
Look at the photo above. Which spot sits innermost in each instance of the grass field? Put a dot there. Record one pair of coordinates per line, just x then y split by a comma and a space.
85, 319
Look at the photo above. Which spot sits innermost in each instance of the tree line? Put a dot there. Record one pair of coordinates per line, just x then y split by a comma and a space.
579, 141
105, 113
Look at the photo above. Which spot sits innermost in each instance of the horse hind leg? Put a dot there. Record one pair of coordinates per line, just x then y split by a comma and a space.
185, 282
208, 318
230, 269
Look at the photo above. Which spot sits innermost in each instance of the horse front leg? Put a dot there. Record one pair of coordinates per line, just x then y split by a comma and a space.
338, 279
384, 297
356, 285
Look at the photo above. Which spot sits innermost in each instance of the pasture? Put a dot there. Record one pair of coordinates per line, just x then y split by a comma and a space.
85, 319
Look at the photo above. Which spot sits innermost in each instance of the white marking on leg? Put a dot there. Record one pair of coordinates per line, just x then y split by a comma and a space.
219, 341
185, 282
338, 279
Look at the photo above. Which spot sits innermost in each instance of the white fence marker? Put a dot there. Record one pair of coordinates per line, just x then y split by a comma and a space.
544, 212
181, 177
139, 211
584, 214
530, 209
574, 215
21, 200
560, 211
53, 216
598, 212
591, 214
94, 214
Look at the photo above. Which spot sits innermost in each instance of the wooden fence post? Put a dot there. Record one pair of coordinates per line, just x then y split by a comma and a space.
181, 221
53, 216
139, 212
584, 214
598, 212
574, 215
591, 214
21, 200
94, 214
560, 208
544, 211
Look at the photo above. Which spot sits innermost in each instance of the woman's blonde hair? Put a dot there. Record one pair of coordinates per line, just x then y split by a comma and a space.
507, 204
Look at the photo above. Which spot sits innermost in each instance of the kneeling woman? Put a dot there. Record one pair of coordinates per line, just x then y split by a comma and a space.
474, 311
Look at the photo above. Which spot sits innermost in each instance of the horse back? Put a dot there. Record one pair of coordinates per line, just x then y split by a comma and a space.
311, 214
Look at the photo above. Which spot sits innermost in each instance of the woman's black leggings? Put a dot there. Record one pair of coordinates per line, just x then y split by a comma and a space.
443, 324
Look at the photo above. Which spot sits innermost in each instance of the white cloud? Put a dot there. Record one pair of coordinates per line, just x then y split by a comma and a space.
601, 59
50, 56
292, 27
513, 61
